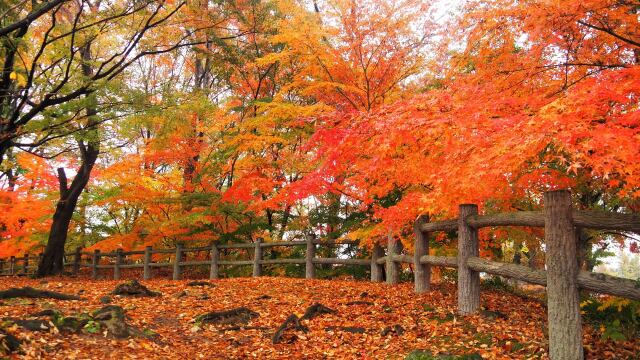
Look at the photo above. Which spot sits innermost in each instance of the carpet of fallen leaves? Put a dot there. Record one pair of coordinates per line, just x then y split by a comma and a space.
512, 328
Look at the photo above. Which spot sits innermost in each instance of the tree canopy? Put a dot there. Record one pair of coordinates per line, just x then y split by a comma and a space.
197, 121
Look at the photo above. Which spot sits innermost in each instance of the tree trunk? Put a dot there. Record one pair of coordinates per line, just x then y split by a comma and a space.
468, 280
563, 303
51, 262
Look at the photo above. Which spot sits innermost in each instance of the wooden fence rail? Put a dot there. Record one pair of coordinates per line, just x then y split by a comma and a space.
117, 260
562, 276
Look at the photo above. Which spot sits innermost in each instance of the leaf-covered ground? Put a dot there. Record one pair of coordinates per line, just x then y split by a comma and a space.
512, 328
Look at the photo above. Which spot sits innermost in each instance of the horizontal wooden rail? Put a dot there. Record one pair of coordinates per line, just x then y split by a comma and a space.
587, 219
403, 258
366, 262
519, 218
518, 272
444, 261
236, 246
600, 283
195, 263
236, 262
443, 225
130, 266
282, 261
283, 243
607, 221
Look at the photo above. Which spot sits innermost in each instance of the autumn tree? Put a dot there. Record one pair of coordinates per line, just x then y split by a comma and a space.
50, 92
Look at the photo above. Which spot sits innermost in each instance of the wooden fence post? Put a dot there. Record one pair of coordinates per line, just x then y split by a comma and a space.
563, 303
94, 264
215, 258
421, 272
76, 260
176, 262
377, 272
146, 270
392, 267
25, 263
257, 257
468, 280
12, 265
310, 269
116, 266
1, 266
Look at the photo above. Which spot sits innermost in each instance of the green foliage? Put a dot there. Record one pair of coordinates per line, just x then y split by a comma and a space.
92, 327
427, 355
496, 283
618, 319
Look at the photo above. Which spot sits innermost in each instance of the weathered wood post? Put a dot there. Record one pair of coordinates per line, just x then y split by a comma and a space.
146, 270
76, 260
393, 267
421, 272
116, 266
377, 272
25, 263
563, 303
468, 280
94, 264
310, 269
176, 262
215, 258
257, 258
2, 266
12, 265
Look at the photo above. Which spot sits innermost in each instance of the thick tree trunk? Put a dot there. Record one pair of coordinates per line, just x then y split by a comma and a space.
565, 328
51, 262
52, 258
421, 272
468, 280
394, 247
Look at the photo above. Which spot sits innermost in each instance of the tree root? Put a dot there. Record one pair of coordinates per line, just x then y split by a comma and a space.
316, 310
134, 288
283, 333
29, 292
241, 315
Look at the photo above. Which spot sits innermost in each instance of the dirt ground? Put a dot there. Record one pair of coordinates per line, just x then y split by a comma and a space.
510, 328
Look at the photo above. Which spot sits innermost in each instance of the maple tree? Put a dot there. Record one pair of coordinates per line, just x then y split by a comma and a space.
525, 103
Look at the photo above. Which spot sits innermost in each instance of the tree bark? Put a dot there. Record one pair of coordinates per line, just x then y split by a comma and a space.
377, 270
51, 262
310, 269
52, 259
422, 272
468, 279
394, 247
565, 328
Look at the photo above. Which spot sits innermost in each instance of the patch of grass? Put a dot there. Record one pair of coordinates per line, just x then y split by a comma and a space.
427, 355
427, 307
496, 283
447, 318
484, 338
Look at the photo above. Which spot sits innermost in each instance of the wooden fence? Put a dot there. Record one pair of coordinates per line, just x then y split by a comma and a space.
119, 259
562, 277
